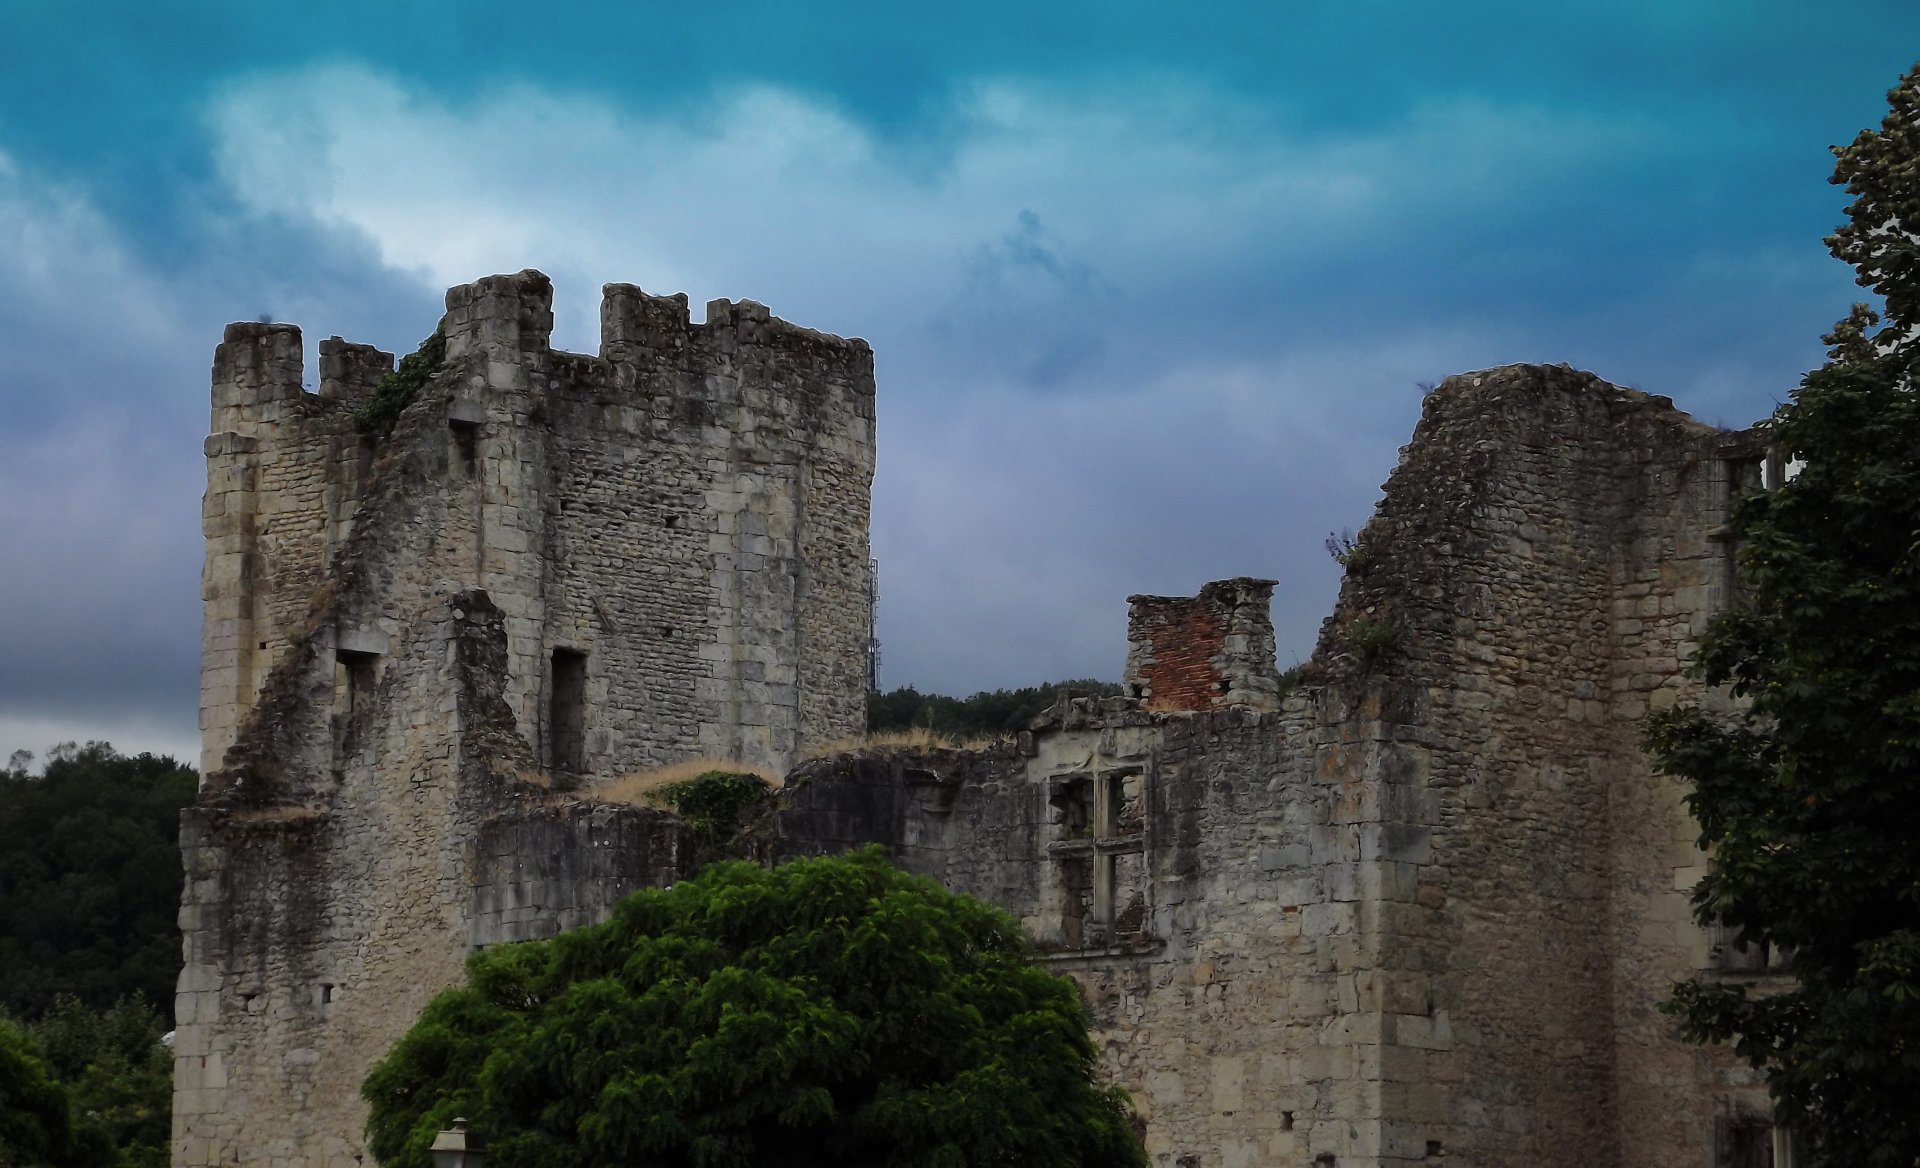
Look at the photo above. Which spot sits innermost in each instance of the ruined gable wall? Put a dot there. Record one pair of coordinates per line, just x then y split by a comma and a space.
1430, 907
1545, 552
1489, 561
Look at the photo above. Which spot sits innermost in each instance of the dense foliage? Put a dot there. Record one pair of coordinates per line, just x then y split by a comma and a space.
118, 1075
36, 1116
825, 1012
90, 878
1809, 801
712, 803
85, 1089
396, 391
986, 714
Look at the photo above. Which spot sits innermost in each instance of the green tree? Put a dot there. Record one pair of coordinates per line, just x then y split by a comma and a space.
989, 713
118, 1074
90, 878
1808, 800
36, 1116
826, 1012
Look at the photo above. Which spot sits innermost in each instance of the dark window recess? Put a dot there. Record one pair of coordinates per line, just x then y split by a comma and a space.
1727, 955
1076, 887
466, 444
363, 673
1072, 802
567, 718
1743, 1142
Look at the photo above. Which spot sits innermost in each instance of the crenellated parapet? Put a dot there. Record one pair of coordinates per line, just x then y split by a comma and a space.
548, 568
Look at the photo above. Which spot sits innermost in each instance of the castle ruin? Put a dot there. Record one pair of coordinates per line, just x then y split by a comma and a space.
1419, 909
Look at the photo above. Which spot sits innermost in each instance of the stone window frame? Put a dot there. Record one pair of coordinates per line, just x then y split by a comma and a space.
1089, 830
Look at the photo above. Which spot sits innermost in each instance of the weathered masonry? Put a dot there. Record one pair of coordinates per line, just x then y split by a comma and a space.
1420, 911
555, 567
1417, 910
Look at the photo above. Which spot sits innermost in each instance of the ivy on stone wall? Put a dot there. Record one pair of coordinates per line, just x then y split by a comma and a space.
713, 803
395, 392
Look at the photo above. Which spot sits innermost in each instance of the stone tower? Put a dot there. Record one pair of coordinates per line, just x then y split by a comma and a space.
555, 567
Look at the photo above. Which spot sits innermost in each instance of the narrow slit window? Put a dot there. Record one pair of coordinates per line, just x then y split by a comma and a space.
567, 721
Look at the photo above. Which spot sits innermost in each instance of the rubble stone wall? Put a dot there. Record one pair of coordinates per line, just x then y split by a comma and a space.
1429, 907
1422, 910
682, 520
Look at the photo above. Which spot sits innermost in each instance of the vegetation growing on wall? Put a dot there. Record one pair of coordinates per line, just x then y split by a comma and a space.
714, 804
397, 390
1349, 552
1370, 641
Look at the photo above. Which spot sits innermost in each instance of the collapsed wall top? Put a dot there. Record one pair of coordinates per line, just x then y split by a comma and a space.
1204, 652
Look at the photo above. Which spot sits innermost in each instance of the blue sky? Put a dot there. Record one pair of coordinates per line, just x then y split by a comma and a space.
1151, 292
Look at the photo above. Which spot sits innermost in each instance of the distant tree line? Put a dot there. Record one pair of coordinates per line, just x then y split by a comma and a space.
90, 877
89, 952
986, 714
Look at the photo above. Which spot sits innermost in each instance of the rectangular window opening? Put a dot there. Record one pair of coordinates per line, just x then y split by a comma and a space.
567, 715
1076, 887
1071, 807
1746, 1142
466, 445
362, 675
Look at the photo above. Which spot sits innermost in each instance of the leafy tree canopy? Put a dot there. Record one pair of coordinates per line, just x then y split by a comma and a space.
36, 1116
90, 878
1809, 800
118, 1074
988, 713
826, 1012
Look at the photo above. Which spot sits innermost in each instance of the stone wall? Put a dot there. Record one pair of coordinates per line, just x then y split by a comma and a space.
688, 510
1422, 910
677, 527
1425, 911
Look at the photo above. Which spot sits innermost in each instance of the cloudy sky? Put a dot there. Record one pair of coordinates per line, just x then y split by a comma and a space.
1151, 286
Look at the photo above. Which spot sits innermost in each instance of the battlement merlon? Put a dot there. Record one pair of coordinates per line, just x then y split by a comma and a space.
256, 362
640, 329
349, 371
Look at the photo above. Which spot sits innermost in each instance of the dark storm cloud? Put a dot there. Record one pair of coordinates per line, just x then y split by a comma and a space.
1150, 297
